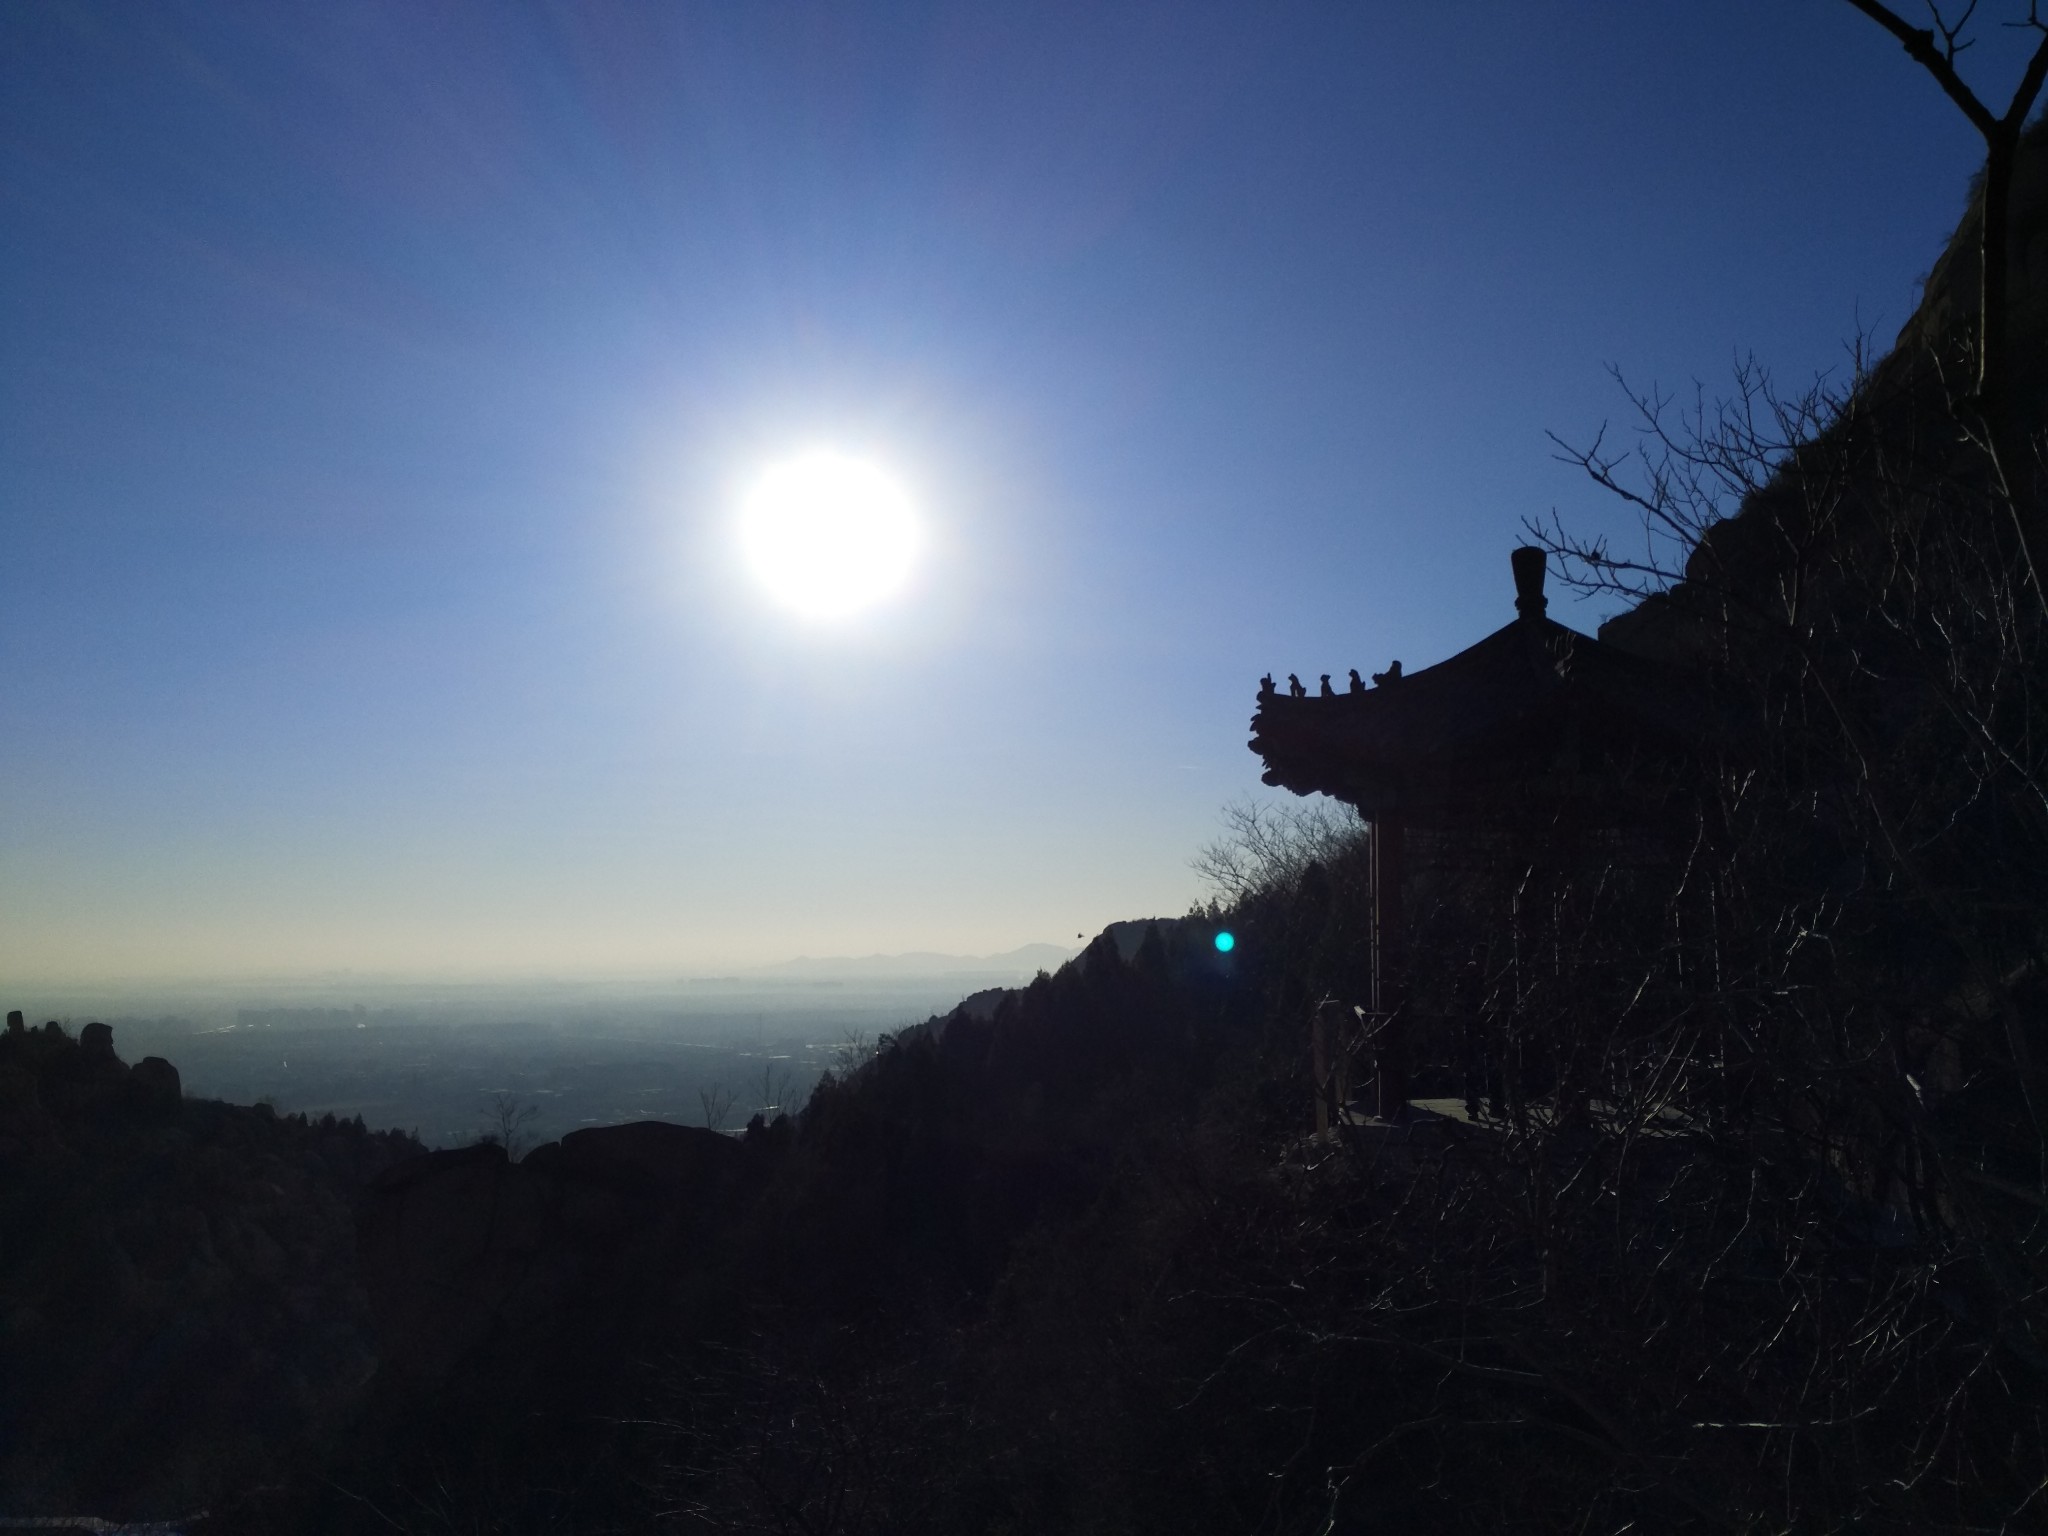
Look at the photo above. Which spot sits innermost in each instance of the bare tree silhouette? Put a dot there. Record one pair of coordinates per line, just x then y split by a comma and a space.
717, 1102
1938, 49
508, 1123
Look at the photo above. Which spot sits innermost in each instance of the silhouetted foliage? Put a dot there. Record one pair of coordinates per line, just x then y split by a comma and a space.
180, 1317
507, 1123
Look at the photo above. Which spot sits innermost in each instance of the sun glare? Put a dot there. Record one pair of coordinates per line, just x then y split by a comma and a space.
828, 535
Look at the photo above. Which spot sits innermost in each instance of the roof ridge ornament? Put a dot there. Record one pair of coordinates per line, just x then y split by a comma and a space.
1529, 564
1534, 721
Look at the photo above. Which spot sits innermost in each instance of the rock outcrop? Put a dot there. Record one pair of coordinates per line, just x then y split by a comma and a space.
156, 1084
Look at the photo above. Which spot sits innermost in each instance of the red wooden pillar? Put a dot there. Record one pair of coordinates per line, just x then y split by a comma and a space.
1389, 931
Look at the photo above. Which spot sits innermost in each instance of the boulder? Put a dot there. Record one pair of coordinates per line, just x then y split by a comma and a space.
155, 1084
96, 1043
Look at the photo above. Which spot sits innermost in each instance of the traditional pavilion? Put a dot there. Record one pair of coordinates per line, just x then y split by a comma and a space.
1535, 726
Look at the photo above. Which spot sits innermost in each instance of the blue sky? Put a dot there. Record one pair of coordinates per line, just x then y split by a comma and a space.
377, 380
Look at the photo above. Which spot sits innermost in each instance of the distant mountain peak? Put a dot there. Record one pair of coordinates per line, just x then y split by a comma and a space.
1021, 961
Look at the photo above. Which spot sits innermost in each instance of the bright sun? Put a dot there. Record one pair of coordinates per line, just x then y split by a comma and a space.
828, 535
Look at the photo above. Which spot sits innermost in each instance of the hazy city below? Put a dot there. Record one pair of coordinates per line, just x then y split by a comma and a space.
447, 1061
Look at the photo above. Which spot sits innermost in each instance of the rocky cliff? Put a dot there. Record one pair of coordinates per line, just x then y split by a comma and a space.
1894, 446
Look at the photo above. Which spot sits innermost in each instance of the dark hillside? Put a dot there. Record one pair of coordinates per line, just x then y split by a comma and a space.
182, 1316
639, 1273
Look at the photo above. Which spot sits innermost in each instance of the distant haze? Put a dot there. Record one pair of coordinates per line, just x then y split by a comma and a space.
873, 992
429, 1055
1015, 962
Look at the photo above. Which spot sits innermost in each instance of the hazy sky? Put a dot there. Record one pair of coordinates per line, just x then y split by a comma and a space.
377, 382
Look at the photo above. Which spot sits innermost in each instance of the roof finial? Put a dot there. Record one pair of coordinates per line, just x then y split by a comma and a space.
1528, 562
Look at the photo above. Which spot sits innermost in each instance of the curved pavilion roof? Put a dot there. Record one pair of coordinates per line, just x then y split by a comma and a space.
1535, 715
